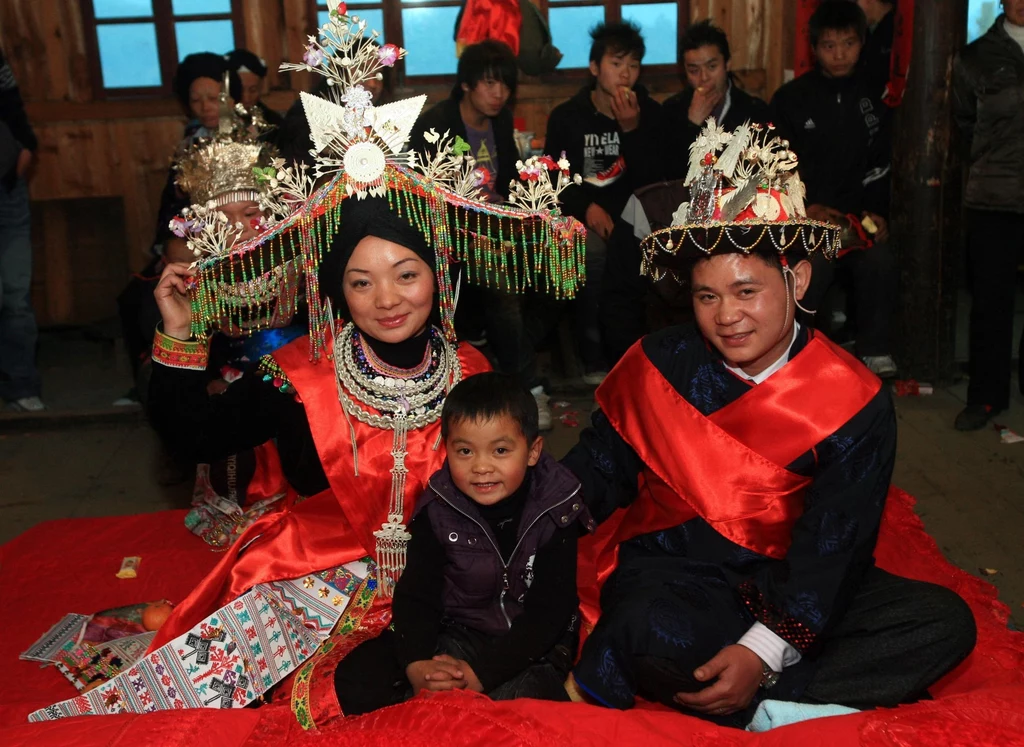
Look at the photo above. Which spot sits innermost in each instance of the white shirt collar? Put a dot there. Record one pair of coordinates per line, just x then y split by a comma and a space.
782, 361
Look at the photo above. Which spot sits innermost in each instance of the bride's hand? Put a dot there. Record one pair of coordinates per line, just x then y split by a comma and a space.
172, 299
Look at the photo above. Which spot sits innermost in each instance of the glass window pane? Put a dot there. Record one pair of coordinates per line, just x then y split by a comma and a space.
374, 18
429, 38
122, 8
200, 7
657, 22
981, 14
570, 32
128, 56
204, 36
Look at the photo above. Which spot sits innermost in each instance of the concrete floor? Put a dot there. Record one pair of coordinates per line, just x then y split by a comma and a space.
94, 461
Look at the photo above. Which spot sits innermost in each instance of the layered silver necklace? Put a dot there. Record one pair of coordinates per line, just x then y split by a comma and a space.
398, 400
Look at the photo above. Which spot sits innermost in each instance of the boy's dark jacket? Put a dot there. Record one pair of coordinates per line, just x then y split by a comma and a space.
834, 125
680, 132
480, 590
568, 127
445, 116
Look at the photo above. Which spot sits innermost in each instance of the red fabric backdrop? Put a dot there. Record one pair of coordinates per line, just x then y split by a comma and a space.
69, 565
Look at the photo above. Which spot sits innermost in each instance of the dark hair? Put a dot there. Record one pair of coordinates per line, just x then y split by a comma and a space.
837, 15
491, 395
703, 34
487, 59
239, 58
615, 39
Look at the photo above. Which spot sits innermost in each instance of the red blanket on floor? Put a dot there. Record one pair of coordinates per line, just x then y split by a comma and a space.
69, 566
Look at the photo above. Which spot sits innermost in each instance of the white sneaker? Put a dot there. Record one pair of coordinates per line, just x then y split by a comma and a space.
882, 366
129, 399
544, 420
594, 378
27, 404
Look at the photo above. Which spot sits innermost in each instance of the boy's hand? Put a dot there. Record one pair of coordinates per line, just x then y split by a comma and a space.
472, 681
702, 104
881, 233
598, 221
737, 673
435, 674
626, 108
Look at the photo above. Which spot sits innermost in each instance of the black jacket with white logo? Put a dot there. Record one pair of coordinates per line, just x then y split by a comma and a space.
610, 161
835, 127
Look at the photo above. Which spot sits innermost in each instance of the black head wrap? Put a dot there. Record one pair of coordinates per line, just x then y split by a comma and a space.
201, 65
371, 216
239, 58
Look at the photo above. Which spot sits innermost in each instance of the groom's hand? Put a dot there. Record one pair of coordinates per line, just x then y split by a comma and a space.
735, 673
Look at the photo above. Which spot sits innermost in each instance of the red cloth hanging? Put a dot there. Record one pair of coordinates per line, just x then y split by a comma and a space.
803, 53
490, 19
902, 46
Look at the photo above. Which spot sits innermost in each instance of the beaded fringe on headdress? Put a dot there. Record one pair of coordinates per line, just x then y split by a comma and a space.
506, 248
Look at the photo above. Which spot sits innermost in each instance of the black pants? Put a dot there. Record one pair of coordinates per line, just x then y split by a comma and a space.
872, 279
516, 324
895, 639
995, 244
371, 677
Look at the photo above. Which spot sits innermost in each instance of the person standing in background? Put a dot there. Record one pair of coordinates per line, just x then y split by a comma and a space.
988, 107
20, 384
833, 119
876, 56
252, 73
608, 130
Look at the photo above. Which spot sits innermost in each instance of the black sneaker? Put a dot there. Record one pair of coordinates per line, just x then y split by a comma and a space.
974, 417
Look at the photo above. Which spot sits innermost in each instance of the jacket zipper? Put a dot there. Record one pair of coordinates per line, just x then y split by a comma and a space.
504, 566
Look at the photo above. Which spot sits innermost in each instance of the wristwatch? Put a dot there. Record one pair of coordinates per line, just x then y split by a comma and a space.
769, 677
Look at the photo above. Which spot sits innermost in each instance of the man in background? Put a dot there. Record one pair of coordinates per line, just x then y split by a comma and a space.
833, 118
709, 91
877, 52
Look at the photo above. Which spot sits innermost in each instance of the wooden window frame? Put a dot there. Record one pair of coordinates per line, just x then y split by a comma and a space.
394, 34
163, 19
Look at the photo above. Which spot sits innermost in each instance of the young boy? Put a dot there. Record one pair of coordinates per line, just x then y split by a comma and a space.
709, 91
478, 111
487, 600
603, 131
833, 118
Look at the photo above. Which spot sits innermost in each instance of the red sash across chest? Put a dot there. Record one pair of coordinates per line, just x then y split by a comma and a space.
730, 467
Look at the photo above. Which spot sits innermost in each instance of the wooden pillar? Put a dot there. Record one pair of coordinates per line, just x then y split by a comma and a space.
926, 196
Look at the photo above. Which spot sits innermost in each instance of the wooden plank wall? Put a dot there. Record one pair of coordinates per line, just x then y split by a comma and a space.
91, 148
